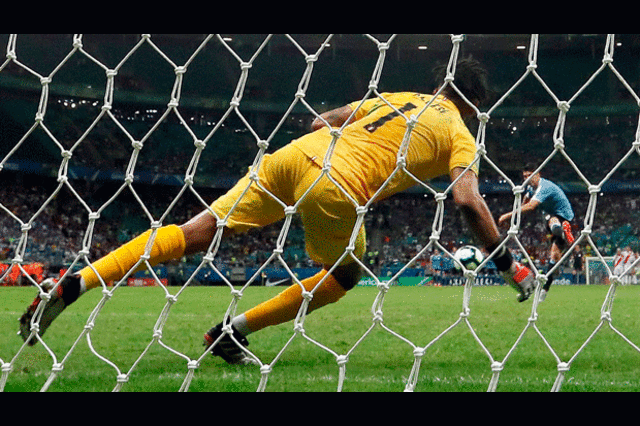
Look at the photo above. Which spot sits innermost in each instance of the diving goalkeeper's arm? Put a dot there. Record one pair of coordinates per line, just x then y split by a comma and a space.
466, 195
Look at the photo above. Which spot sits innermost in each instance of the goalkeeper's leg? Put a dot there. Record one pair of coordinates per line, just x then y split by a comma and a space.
256, 209
171, 242
282, 308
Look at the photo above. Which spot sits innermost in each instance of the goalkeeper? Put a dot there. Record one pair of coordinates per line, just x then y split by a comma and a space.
364, 157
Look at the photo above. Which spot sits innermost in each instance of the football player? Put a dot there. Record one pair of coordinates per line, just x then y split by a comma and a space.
545, 195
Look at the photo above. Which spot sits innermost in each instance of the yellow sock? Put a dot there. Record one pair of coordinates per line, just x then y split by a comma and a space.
168, 244
284, 307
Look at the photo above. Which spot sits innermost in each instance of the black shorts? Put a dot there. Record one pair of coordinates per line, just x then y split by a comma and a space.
561, 242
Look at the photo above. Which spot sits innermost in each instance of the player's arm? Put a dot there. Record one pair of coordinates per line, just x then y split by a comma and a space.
475, 210
477, 214
530, 206
336, 118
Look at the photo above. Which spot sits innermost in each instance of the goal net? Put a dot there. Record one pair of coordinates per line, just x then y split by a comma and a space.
104, 137
598, 270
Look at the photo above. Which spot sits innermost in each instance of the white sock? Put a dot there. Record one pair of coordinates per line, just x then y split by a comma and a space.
83, 286
240, 323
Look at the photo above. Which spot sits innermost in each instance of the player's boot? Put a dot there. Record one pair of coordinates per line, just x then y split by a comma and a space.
65, 294
227, 348
568, 235
522, 280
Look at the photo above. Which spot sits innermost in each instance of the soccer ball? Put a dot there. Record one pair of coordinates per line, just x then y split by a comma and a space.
470, 257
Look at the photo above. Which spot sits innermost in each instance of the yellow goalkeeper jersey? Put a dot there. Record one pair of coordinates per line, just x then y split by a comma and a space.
366, 153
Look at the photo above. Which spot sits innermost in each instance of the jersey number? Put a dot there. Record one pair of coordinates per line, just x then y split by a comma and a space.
372, 127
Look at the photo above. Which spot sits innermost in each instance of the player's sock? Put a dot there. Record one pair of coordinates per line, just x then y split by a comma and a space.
551, 277
568, 233
284, 307
168, 244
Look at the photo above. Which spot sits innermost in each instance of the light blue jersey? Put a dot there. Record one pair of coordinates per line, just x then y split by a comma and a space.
552, 199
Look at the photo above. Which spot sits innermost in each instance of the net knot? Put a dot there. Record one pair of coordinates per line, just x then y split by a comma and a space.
594, 189
564, 106
483, 117
497, 366
336, 133
470, 275
342, 360
266, 369
419, 352
458, 38
306, 295
383, 287
563, 367
558, 143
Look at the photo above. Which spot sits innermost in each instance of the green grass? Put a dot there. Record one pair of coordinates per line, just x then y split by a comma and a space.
380, 363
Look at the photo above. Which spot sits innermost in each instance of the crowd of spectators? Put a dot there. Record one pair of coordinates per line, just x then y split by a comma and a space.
398, 228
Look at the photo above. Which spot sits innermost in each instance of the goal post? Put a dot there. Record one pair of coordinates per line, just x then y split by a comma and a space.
597, 270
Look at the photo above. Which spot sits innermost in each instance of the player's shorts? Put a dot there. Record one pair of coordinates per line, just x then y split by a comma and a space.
285, 176
567, 232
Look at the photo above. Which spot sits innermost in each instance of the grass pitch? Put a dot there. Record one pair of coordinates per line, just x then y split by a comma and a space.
381, 362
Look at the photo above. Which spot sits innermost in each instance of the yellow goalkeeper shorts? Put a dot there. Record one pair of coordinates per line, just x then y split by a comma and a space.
328, 216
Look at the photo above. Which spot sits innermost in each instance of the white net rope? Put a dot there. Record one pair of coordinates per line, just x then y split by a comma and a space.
122, 373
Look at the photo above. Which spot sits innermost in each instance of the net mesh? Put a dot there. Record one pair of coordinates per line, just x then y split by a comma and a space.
136, 143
